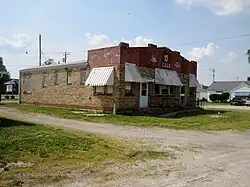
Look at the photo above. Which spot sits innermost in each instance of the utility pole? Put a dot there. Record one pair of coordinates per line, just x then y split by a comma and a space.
40, 49
66, 54
213, 70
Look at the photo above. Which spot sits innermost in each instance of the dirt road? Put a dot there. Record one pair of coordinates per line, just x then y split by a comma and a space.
202, 159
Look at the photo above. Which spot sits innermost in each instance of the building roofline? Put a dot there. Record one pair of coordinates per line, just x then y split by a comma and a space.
57, 66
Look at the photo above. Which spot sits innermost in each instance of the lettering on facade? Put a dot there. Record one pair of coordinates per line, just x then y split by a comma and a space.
165, 58
165, 65
177, 64
153, 59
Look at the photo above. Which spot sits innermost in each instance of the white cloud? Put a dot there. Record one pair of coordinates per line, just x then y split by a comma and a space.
18, 43
198, 53
104, 41
219, 7
230, 57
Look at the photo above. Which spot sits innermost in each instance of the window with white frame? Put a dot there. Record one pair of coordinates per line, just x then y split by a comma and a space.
99, 89
128, 88
69, 77
27, 84
83, 76
56, 78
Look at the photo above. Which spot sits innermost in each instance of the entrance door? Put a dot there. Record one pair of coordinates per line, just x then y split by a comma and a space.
144, 95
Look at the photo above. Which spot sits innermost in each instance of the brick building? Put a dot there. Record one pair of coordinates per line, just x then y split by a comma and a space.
129, 77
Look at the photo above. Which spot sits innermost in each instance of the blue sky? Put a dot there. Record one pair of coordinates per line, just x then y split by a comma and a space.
76, 26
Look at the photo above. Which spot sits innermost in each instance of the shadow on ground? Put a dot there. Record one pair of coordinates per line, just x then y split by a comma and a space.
175, 113
198, 112
4, 122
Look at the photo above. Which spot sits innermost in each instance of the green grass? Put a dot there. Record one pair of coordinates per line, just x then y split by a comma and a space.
54, 152
212, 103
201, 120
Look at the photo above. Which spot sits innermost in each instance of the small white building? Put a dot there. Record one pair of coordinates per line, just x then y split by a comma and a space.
234, 88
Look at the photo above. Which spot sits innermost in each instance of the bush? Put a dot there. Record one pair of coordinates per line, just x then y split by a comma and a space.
214, 97
219, 97
224, 97
204, 99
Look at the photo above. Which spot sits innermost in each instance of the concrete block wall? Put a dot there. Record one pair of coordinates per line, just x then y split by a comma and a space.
76, 95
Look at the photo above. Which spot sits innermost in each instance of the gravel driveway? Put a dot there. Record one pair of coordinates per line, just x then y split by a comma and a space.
202, 159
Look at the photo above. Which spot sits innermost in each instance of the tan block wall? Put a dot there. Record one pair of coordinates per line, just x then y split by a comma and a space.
76, 95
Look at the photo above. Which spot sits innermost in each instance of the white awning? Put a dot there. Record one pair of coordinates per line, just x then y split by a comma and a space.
193, 82
167, 77
132, 74
101, 76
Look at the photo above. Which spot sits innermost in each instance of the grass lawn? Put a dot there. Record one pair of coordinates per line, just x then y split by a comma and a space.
211, 103
202, 120
55, 152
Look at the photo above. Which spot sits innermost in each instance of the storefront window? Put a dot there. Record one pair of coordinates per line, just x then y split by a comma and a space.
109, 89
128, 89
165, 90
157, 89
99, 89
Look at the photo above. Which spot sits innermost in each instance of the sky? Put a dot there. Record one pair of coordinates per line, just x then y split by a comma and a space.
193, 27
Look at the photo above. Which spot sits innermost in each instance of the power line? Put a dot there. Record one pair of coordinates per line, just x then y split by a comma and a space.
217, 39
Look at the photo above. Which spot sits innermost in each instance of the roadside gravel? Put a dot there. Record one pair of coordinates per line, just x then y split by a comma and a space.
201, 159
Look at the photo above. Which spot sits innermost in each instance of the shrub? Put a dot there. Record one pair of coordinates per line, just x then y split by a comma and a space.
214, 97
224, 97
219, 97
204, 99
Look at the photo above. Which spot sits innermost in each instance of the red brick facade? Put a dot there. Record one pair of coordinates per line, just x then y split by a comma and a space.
77, 95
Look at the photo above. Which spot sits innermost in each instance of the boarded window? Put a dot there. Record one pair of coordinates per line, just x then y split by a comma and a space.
27, 84
43, 80
83, 76
69, 77
56, 78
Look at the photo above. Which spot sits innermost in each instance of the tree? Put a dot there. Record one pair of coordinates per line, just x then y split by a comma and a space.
4, 78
